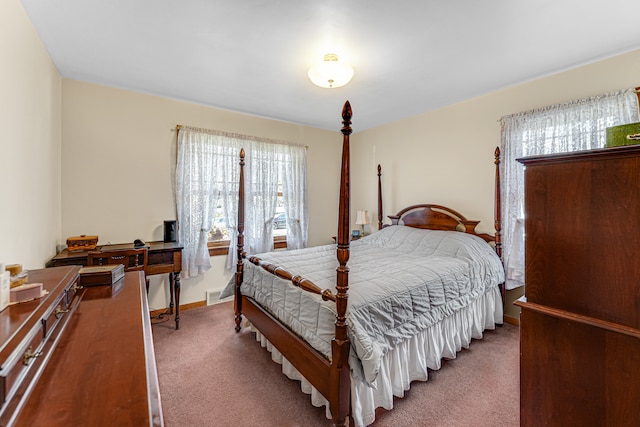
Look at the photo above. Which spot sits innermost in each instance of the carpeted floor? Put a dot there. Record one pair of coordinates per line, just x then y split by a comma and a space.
211, 376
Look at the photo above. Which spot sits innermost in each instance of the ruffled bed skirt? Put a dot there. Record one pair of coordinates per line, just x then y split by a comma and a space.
410, 360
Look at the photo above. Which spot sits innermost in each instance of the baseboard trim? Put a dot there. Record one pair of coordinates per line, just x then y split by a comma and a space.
512, 320
183, 307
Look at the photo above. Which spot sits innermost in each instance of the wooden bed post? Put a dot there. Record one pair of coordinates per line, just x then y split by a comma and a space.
340, 375
497, 209
237, 301
497, 213
379, 197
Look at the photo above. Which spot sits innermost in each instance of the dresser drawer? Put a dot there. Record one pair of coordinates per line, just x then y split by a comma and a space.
32, 348
72, 292
17, 365
33, 329
56, 313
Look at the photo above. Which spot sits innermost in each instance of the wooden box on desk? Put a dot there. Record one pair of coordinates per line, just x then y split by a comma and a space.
101, 275
82, 243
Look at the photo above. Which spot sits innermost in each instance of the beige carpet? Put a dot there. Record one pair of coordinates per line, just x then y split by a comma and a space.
211, 376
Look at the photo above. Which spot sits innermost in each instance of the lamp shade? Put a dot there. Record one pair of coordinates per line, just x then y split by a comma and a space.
362, 217
330, 73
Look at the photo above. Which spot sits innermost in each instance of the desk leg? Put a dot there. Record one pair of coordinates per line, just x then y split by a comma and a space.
171, 291
176, 284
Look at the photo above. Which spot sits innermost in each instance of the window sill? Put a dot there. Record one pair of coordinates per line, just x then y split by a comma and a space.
222, 247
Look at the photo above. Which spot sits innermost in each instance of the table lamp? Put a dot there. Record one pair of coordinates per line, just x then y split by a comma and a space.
362, 218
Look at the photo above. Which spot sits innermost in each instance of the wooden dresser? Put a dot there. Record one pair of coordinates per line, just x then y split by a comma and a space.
79, 356
580, 315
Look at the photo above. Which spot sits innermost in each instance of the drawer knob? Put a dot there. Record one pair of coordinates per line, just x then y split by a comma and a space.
60, 311
29, 354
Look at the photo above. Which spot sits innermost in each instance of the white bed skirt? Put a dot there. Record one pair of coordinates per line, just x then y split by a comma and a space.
410, 360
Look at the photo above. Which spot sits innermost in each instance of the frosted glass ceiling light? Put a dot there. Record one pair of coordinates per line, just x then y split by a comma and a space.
330, 73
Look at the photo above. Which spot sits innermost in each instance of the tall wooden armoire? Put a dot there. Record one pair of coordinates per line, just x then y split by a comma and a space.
580, 314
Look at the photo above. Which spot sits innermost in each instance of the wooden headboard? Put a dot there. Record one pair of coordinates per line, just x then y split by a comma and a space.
437, 217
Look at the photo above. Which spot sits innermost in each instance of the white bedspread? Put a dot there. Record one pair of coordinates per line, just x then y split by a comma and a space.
402, 281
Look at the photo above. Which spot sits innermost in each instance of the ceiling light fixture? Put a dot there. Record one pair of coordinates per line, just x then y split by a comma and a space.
330, 73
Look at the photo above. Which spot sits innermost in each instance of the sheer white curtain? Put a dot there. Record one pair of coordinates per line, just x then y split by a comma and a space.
207, 174
573, 126
206, 171
261, 195
268, 164
294, 194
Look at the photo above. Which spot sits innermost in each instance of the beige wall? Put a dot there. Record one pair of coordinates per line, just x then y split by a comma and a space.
118, 162
446, 156
30, 216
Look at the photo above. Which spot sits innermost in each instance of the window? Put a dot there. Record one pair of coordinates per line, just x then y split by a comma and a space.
577, 125
218, 240
207, 175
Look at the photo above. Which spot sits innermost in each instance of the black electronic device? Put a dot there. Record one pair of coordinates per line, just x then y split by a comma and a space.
170, 231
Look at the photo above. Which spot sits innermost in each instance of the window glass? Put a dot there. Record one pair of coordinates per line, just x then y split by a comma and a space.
219, 232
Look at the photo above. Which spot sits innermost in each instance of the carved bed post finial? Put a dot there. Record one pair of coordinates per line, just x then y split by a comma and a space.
237, 304
346, 118
379, 197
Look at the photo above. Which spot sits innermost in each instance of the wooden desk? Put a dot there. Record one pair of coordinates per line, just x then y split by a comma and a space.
93, 359
164, 258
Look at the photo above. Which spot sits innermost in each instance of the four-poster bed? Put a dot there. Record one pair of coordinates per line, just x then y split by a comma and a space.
343, 347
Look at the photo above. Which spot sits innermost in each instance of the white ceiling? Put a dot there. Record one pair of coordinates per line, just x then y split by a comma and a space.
252, 56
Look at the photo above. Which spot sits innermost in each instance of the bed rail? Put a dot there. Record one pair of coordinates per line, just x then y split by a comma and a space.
296, 280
